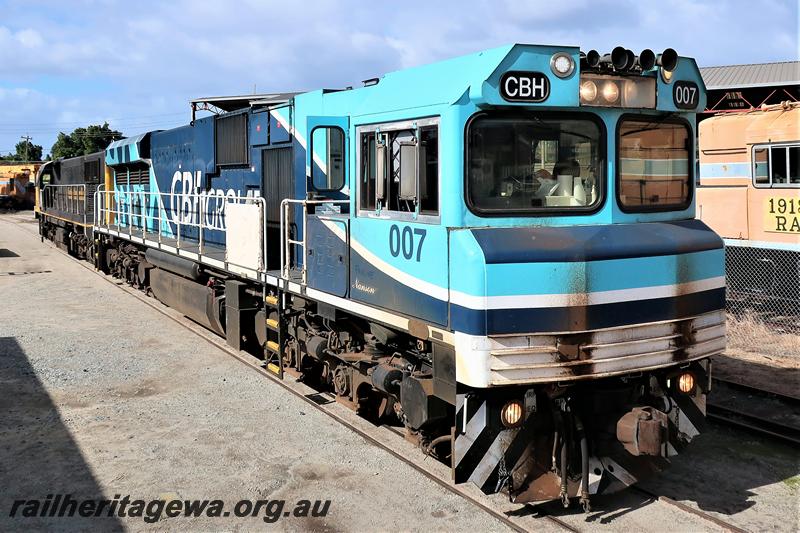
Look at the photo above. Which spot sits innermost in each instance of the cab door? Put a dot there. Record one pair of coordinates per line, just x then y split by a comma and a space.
327, 228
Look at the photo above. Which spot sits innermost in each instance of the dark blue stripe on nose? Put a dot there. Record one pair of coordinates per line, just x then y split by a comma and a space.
594, 243
579, 318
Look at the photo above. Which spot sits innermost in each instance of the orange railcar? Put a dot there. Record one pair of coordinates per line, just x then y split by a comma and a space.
749, 193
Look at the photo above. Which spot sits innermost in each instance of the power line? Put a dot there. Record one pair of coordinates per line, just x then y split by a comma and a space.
66, 122
122, 129
10, 129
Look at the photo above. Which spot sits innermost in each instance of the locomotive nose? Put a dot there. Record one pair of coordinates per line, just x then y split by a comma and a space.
578, 278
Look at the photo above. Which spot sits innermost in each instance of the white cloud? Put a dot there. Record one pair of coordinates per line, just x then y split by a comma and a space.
103, 59
29, 38
532, 11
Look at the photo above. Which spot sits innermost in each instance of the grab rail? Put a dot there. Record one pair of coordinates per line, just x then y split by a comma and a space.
69, 199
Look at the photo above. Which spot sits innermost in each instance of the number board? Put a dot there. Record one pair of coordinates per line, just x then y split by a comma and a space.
782, 214
686, 94
520, 86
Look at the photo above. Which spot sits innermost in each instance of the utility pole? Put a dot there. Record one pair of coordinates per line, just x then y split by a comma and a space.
27, 139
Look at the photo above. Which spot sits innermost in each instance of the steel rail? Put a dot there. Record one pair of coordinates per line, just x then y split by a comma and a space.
789, 399
691, 510
752, 422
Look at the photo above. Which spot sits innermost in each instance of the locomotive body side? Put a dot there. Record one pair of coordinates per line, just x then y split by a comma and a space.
737, 195
65, 190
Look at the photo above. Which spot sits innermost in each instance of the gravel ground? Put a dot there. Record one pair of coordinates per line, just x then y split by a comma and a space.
101, 395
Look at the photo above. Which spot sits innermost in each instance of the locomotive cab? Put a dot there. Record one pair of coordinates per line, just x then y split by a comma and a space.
585, 298
536, 234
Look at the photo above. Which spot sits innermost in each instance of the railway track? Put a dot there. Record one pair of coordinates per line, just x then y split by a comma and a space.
727, 526
518, 518
756, 422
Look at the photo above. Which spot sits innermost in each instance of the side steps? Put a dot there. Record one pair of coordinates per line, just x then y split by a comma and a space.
273, 348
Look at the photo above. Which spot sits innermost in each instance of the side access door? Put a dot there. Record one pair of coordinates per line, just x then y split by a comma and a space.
271, 131
327, 228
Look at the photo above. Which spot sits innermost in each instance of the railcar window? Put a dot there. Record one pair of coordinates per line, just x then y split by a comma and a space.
653, 166
779, 176
429, 171
794, 165
406, 181
761, 162
525, 163
776, 166
91, 170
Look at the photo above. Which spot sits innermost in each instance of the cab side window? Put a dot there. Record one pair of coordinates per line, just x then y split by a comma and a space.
327, 162
399, 170
367, 172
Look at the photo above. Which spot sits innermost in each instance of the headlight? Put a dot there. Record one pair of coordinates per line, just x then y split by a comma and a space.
562, 64
512, 414
686, 383
610, 91
618, 91
588, 91
666, 75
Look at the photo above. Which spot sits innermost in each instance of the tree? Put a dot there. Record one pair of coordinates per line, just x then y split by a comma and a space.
84, 141
27, 151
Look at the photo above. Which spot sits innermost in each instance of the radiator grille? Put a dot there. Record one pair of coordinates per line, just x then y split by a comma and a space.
231, 140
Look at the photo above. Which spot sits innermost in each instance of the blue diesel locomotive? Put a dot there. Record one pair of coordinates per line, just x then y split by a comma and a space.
498, 251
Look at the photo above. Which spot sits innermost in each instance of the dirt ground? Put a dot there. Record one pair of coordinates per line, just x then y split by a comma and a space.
100, 395
761, 338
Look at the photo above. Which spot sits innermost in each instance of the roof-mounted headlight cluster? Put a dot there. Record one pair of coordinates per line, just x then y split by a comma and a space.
610, 80
622, 60
613, 91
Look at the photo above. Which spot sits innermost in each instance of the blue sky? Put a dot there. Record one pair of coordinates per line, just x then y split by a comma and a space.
137, 64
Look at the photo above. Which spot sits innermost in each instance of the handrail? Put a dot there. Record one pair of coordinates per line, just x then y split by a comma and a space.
288, 242
67, 197
181, 210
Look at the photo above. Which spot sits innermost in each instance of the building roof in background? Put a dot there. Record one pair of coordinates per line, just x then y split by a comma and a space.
753, 75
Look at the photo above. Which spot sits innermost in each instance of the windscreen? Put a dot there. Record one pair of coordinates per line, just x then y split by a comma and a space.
653, 164
530, 163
